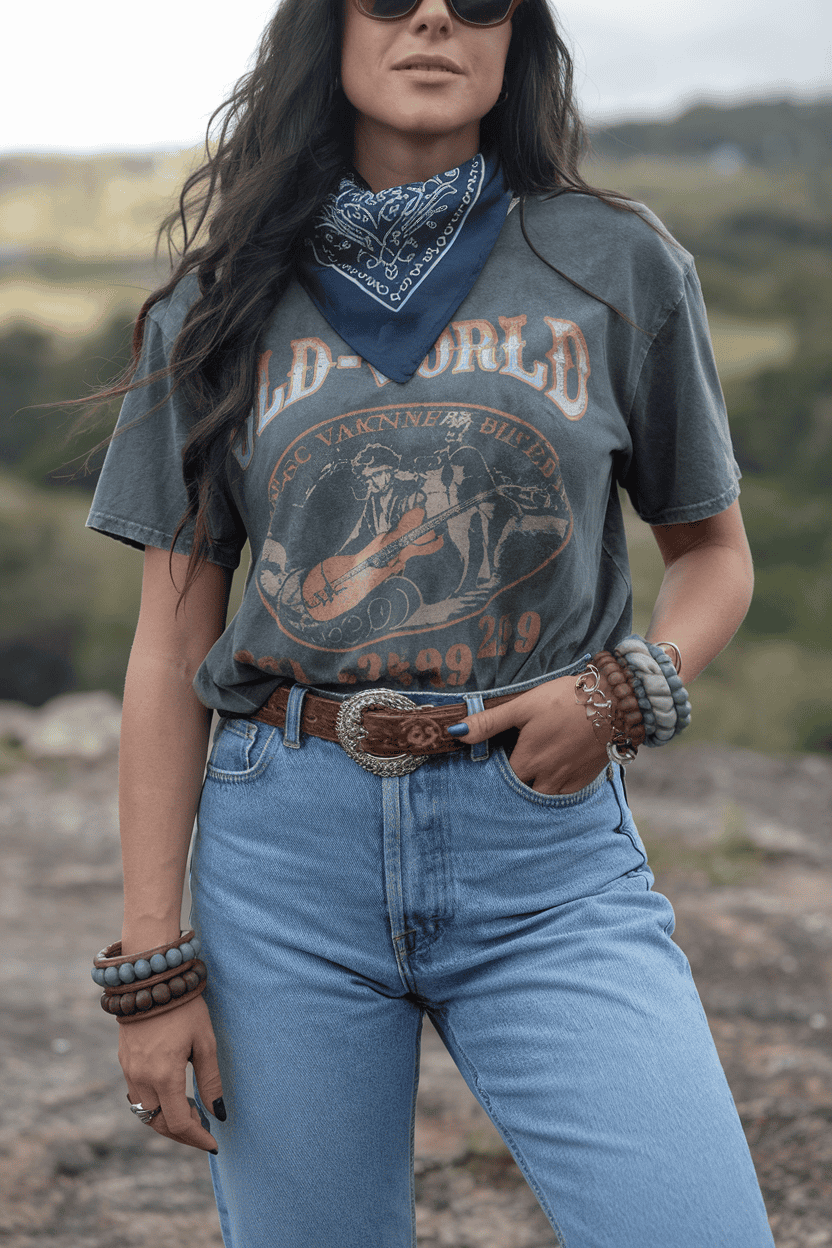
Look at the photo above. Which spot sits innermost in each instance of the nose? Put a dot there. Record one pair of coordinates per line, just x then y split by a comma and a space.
433, 13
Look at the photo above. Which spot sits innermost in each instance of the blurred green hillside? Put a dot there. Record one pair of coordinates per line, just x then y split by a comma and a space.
768, 134
748, 190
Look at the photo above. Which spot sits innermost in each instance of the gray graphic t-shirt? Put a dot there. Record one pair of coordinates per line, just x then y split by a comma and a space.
463, 529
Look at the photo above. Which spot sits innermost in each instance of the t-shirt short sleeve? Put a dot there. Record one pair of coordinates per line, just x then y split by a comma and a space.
140, 496
682, 466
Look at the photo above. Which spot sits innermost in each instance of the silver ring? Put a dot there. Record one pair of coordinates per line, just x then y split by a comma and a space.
144, 1115
677, 662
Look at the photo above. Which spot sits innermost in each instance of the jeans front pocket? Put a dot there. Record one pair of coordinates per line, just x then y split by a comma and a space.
547, 799
242, 750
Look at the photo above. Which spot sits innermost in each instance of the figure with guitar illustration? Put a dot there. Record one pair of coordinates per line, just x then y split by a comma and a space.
379, 576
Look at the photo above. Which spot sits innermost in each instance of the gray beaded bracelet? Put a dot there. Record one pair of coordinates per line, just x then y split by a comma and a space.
656, 680
126, 972
639, 661
640, 696
674, 682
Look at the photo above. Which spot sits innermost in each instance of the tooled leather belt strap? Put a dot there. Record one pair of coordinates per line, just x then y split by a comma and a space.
385, 732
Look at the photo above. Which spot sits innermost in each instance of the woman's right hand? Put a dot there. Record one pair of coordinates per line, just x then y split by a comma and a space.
154, 1055
556, 749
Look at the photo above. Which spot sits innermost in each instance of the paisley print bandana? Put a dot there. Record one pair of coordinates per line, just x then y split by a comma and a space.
389, 270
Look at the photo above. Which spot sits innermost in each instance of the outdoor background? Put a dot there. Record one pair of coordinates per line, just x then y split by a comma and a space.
731, 144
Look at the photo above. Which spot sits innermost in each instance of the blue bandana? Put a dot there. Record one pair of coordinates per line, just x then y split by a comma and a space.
389, 270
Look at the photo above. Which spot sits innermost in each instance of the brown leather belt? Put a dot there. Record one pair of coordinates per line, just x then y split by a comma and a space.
384, 731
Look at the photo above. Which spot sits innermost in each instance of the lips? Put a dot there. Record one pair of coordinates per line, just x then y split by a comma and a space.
430, 64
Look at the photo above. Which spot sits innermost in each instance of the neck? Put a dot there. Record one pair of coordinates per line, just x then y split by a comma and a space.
386, 157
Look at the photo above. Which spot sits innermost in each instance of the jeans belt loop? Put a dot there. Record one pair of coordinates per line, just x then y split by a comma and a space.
294, 710
474, 703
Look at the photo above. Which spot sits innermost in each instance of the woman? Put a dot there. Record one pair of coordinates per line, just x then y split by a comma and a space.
414, 800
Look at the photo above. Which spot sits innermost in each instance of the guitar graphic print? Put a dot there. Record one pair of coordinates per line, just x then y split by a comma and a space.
338, 584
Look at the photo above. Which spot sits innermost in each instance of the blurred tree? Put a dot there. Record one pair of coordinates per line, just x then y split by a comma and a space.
781, 422
36, 442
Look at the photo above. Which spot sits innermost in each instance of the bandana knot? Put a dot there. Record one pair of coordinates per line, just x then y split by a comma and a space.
403, 232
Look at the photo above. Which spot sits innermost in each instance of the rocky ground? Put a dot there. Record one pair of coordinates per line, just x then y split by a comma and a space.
740, 843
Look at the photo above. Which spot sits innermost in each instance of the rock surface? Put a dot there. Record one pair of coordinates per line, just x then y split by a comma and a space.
79, 726
740, 843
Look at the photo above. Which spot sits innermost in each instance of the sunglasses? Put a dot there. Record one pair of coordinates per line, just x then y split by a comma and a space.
469, 12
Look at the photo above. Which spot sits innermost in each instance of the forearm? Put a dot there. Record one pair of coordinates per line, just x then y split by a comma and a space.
702, 601
164, 741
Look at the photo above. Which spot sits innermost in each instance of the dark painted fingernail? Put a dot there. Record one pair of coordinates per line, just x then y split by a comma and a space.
457, 730
215, 1152
219, 1109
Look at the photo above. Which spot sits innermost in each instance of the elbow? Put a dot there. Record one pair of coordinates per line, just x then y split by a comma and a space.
177, 667
747, 582
744, 572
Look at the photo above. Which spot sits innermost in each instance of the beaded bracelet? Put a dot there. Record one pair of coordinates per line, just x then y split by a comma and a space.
681, 709
130, 1006
647, 716
628, 717
161, 978
627, 727
111, 967
656, 682
150, 983
632, 652
619, 748
674, 684
641, 667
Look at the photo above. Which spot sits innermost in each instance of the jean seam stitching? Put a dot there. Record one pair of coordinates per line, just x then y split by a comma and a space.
624, 831
552, 800
241, 777
509, 1139
394, 895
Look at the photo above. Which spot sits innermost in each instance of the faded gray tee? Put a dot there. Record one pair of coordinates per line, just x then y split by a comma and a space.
461, 530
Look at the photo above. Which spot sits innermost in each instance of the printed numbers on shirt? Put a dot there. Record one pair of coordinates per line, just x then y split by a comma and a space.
497, 636
453, 670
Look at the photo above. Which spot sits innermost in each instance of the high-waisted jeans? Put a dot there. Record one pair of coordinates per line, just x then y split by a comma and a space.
335, 907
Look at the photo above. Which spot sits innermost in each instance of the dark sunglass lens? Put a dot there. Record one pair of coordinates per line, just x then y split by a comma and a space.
389, 9
482, 12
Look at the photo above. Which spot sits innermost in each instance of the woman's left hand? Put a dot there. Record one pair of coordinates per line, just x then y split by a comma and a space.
557, 750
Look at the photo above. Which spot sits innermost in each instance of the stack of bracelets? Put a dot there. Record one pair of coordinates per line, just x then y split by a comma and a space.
147, 984
648, 704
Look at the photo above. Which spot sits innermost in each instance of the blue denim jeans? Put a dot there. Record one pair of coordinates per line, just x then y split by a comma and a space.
336, 907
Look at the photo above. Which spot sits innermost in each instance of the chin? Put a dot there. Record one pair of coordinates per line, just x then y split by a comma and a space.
433, 122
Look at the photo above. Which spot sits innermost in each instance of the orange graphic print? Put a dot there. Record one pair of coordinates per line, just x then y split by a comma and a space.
341, 582
407, 521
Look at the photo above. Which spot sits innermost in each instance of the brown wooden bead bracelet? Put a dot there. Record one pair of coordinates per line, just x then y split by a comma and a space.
616, 718
627, 717
152, 994
133, 1002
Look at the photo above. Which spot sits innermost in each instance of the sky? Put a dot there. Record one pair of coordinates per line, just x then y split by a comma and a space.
96, 76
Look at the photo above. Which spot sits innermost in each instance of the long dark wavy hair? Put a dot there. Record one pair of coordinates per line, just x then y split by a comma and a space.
283, 144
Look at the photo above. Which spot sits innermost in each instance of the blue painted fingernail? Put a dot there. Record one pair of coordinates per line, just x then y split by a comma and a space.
215, 1152
219, 1109
457, 730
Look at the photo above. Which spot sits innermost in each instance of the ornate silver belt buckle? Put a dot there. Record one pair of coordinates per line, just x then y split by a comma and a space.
351, 731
